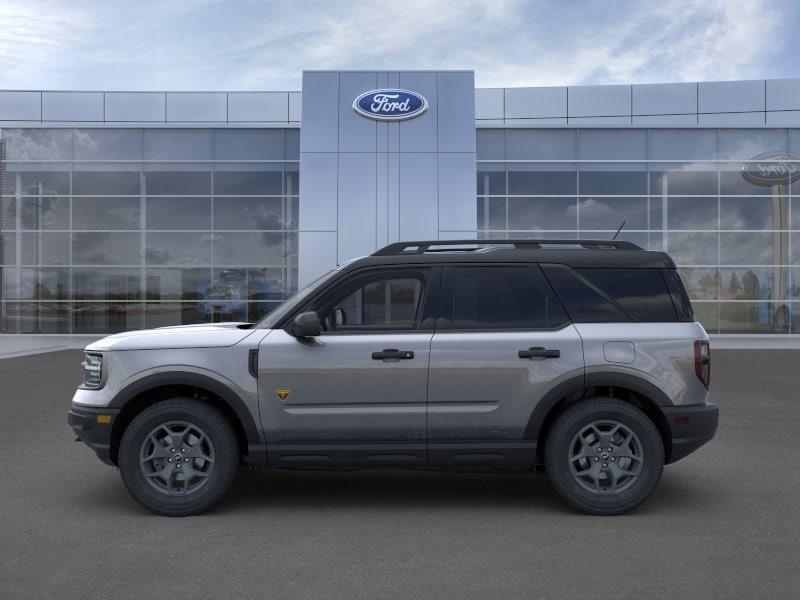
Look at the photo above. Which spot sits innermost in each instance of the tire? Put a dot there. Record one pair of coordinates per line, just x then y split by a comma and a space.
205, 445
585, 477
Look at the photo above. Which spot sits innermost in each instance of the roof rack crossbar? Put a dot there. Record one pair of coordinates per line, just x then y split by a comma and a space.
421, 247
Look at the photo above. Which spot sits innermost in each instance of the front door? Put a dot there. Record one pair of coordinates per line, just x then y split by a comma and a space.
502, 341
356, 394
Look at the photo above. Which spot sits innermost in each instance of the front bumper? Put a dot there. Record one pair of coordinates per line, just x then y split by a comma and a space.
690, 427
83, 420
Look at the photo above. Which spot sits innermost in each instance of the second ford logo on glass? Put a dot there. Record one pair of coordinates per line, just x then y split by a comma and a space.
390, 105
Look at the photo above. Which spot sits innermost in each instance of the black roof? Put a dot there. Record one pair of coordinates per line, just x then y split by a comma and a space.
574, 253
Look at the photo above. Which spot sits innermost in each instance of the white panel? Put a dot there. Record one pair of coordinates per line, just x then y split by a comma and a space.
381, 198
665, 98
665, 120
730, 96
356, 132
318, 181
457, 204
599, 100
419, 134
197, 107
535, 103
393, 196
136, 107
72, 106
258, 106
20, 106
732, 119
784, 118
316, 255
357, 211
295, 102
599, 121
455, 122
418, 196
320, 129
783, 94
537, 122
489, 103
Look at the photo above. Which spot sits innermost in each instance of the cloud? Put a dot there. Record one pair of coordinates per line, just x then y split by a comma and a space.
209, 44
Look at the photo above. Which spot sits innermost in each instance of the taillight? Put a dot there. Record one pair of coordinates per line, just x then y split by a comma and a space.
702, 361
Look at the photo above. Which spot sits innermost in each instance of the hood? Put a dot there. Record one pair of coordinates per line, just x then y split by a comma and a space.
182, 336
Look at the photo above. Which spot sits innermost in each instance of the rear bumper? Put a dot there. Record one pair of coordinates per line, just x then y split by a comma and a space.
690, 427
83, 421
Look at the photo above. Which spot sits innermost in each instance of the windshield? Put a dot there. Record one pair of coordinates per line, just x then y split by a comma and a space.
292, 301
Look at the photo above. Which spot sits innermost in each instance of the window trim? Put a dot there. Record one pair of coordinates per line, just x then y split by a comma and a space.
447, 290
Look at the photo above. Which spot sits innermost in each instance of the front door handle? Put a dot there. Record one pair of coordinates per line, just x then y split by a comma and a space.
392, 353
539, 352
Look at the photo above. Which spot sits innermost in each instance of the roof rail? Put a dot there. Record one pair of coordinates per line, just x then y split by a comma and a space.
421, 247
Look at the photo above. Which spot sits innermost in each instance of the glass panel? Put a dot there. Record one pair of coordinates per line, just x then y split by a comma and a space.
693, 248
542, 213
180, 212
46, 183
491, 183
541, 144
542, 183
225, 312
291, 144
163, 314
250, 248
106, 317
266, 284
107, 284
108, 144
701, 284
732, 182
753, 213
8, 213
707, 314
248, 182
584, 302
38, 144
491, 144
391, 302
177, 284
683, 183
749, 248
682, 144
106, 248
612, 144
753, 317
117, 183
228, 285
641, 292
692, 213
45, 248
39, 284
248, 213
291, 179
754, 284
492, 213
178, 248
31, 317
609, 213
747, 143
106, 213
257, 310
183, 183
609, 183
248, 144
45, 212
177, 144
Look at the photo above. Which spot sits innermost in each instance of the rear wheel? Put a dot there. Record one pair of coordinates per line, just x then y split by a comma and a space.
178, 457
604, 456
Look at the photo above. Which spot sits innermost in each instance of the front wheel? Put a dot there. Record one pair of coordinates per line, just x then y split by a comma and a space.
603, 456
178, 457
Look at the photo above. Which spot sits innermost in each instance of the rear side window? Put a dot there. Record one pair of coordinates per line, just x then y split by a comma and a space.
679, 296
584, 301
499, 297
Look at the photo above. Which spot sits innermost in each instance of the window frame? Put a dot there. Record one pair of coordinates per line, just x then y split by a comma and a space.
424, 320
444, 307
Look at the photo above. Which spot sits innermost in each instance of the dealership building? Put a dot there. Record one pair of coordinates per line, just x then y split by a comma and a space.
124, 210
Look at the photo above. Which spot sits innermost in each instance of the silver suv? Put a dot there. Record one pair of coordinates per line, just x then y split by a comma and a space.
579, 357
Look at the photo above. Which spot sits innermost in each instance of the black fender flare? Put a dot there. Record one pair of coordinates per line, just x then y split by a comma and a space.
591, 380
188, 378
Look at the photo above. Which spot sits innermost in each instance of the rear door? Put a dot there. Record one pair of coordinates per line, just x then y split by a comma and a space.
502, 341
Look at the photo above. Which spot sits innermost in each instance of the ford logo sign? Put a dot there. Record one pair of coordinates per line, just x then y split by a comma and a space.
772, 168
390, 105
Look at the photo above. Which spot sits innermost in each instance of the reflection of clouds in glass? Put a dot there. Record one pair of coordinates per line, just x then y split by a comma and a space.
83, 142
44, 144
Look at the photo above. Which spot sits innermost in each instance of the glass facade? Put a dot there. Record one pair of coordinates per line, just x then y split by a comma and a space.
690, 192
106, 230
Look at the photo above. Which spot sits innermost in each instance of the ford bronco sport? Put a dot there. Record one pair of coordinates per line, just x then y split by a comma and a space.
580, 357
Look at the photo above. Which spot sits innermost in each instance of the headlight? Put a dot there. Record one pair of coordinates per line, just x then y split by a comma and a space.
92, 371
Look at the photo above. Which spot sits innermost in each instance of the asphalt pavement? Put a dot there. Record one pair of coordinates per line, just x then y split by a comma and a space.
724, 522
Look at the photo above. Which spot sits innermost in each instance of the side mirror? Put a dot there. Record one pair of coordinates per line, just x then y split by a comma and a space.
306, 325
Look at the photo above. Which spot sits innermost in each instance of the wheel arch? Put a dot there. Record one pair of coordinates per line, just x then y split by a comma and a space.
628, 388
145, 392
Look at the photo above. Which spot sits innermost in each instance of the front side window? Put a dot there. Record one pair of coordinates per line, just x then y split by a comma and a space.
387, 300
499, 297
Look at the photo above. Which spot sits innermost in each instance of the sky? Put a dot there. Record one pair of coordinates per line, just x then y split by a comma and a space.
265, 45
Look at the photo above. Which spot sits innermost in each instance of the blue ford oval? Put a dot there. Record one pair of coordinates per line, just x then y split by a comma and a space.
390, 105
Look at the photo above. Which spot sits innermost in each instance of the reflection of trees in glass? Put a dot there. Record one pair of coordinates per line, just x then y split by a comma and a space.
734, 287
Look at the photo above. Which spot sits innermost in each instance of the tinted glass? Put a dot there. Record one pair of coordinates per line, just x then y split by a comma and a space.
501, 298
585, 303
641, 292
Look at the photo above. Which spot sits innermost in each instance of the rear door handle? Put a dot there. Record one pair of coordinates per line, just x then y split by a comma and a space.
539, 352
392, 353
